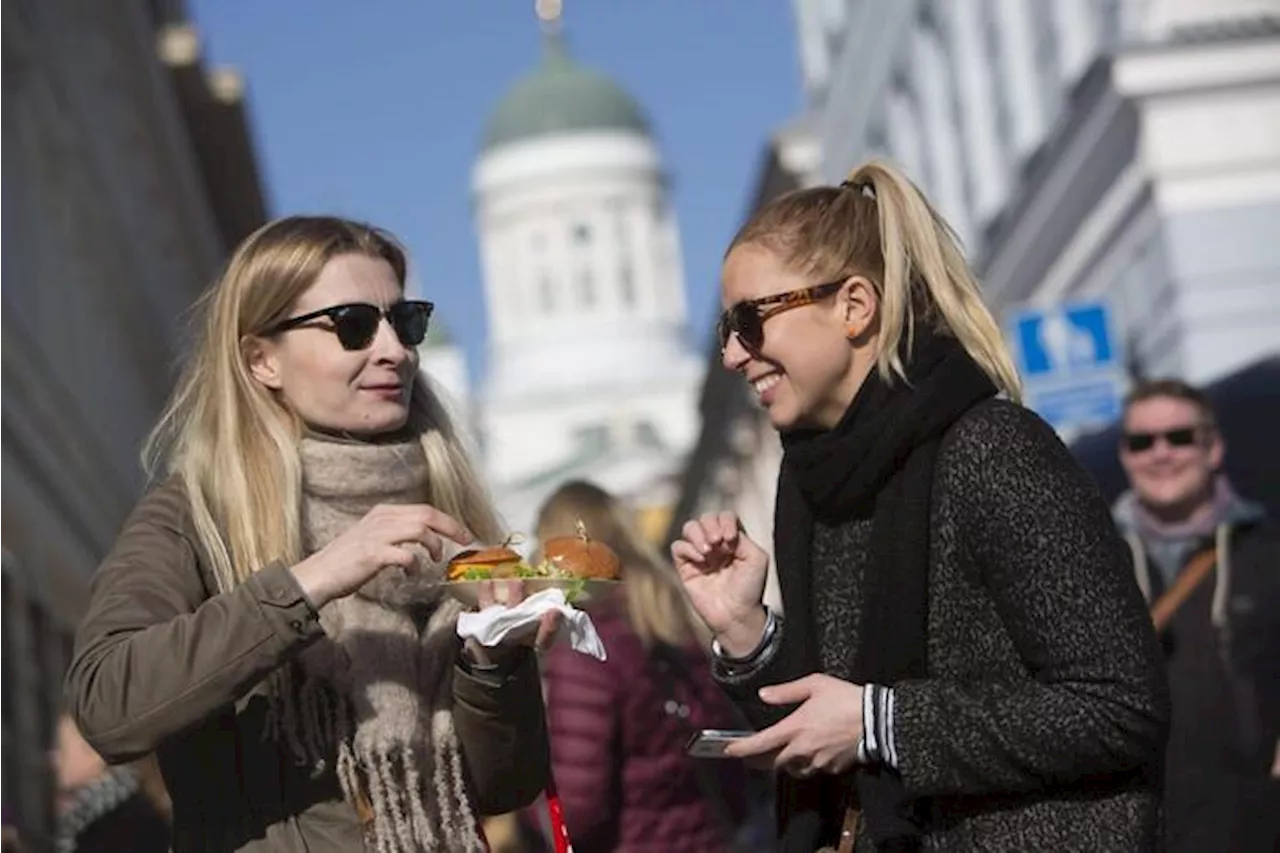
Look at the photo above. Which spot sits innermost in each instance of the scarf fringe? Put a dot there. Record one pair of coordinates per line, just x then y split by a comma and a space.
313, 722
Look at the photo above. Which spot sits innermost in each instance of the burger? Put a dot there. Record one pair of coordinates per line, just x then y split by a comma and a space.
564, 558
487, 564
580, 557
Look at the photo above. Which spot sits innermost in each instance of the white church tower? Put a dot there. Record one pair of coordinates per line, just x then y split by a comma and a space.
589, 371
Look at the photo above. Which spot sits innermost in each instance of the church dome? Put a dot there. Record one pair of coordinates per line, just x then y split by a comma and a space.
561, 96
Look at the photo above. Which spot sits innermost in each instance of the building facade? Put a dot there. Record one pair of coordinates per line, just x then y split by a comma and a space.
1081, 148
589, 374
128, 174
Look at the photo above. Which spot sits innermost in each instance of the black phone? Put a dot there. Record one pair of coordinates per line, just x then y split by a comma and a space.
710, 743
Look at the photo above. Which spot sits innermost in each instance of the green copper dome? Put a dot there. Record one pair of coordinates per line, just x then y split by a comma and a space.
561, 96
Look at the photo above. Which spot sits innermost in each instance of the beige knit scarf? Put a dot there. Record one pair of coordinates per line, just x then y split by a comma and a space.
377, 690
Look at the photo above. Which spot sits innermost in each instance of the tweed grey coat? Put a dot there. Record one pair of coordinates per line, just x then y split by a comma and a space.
1043, 720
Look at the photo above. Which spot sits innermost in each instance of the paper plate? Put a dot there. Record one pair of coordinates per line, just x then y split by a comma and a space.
468, 592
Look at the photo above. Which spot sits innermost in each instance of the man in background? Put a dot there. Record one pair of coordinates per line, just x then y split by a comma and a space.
1208, 562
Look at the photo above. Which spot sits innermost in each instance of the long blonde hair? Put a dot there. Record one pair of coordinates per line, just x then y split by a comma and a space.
878, 224
656, 604
234, 444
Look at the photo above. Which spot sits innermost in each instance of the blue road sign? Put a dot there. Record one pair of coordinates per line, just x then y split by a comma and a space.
1071, 363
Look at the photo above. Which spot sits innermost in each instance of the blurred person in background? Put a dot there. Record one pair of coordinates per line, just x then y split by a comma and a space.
619, 728
1208, 561
271, 620
103, 809
965, 661
10, 839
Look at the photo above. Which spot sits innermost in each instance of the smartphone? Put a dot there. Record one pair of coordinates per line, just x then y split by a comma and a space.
710, 743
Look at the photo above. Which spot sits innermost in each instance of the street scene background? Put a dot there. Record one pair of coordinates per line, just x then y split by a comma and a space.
566, 179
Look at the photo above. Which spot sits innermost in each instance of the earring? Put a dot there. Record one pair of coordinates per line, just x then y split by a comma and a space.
852, 330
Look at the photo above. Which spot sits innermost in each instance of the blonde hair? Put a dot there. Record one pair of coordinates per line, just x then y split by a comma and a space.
233, 443
879, 225
656, 604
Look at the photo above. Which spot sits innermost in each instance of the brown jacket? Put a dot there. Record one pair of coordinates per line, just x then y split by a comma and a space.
161, 663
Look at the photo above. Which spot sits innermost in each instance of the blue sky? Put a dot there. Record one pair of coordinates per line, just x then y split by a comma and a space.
375, 110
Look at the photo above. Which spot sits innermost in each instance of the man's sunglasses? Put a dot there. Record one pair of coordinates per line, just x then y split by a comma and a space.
746, 319
1140, 442
356, 323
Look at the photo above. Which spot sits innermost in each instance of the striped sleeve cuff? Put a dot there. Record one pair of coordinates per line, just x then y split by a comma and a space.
877, 745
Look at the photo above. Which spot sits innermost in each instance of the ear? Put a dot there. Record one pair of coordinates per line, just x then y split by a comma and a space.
1217, 450
861, 305
261, 358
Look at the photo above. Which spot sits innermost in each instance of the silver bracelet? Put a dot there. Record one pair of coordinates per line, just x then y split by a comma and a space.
772, 622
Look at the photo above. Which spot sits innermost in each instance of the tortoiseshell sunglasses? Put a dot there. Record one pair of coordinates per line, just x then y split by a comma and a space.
746, 319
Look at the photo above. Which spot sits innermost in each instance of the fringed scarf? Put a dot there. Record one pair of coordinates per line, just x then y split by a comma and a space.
377, 691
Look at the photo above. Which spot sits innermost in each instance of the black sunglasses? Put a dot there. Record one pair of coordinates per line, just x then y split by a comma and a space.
356, 323
746, 319
1140, 442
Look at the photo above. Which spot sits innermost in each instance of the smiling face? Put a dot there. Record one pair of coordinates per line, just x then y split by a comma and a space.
814, 357
1172, 481
361, 392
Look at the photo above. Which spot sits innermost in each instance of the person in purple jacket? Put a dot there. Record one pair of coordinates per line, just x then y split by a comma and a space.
619, 727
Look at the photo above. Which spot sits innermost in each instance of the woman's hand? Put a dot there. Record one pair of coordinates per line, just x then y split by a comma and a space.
511, 593
371, 544
821, 736
724, 575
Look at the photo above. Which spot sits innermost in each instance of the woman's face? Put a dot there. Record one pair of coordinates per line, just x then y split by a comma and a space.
361, 392
810, 366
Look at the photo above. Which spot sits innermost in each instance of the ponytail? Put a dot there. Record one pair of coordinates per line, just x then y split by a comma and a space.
921, 250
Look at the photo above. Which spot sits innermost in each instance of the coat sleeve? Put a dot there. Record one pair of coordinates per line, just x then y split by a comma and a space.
582, 704
501, 724
1096, 701
155, 654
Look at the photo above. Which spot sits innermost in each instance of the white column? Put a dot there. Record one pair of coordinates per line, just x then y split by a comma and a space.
904, 131
1021, 79
986, 158
1077, 26
815, 55
941, 131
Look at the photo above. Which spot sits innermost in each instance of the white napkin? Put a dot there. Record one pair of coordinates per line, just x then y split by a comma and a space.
488, 627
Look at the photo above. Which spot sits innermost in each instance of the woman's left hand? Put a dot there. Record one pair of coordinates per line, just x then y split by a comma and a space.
511, 593
821, 736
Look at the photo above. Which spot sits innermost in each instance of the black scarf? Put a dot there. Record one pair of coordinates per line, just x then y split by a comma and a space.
877, 462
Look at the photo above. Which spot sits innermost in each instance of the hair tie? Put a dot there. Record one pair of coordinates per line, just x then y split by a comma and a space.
864, 188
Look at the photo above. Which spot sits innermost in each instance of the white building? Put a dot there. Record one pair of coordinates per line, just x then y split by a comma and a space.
1080, 147
589, 372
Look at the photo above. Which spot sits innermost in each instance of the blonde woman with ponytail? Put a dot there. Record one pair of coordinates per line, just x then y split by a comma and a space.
271, 621
964, 661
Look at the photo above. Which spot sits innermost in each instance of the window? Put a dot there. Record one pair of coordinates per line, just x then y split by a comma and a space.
546, 293
581, 234
627, 282
1001, 93
877, 138
586, 287
1048, 63
646, 434
1110, 24
592, 437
